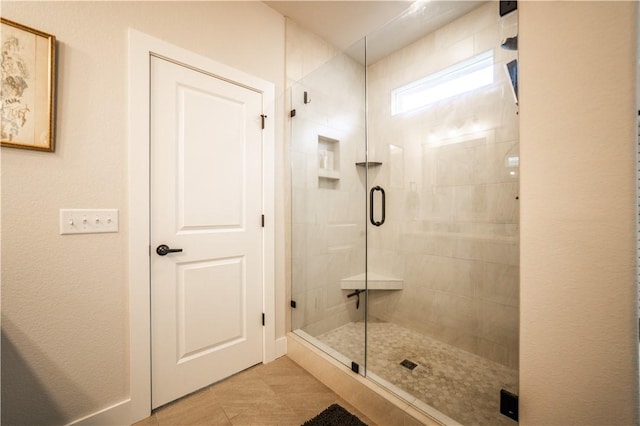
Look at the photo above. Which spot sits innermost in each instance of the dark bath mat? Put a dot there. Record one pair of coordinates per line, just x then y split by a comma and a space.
335, 415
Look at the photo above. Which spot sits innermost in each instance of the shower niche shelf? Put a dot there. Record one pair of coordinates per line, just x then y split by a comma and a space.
328, 158
328, 174
376, 282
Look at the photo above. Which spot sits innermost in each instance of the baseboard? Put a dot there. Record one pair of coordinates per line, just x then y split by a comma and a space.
117, 414
281, 347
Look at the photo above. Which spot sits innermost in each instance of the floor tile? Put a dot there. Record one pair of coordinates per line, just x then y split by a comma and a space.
149, 421
278, 393
200, 408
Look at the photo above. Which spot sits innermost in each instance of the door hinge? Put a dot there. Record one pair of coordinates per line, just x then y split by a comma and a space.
293, 304
262, 118
263, 319
293, 113
263, 221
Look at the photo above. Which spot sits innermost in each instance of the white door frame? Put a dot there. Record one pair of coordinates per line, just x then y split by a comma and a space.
141, 46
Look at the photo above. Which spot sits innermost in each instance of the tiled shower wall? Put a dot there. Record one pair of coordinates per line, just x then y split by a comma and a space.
450, 171
327, 242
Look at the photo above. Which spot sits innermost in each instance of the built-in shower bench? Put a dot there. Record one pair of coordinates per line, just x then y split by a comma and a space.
376, 282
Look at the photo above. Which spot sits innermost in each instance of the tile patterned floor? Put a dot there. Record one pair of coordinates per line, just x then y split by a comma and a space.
459, 384
278, 393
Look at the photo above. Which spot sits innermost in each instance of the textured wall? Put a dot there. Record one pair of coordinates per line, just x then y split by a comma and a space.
65, 298
578, 331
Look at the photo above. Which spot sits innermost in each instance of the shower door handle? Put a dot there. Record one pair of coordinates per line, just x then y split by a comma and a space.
384, 206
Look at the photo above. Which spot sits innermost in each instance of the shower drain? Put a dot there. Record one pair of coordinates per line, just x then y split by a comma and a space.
408, 364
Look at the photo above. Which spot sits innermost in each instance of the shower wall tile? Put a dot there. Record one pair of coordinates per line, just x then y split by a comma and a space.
298, 241
305, 51
343, 235
439, 202
305, 134
460, 246
467, 26
338, 268
470, 203
313, 304
468, 247
503, 202
500, 284
316, 271
385, 262
299, 276
498, 168
498, 323
501, 251
452, 312
486, 39
299, 206
327, 243
507, 132
316, 240
446, 274
495, 352
454, 53
435, 244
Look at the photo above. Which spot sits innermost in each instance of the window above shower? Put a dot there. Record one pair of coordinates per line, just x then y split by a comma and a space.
456, 80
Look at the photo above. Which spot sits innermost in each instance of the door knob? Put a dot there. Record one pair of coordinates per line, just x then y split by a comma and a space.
164, 249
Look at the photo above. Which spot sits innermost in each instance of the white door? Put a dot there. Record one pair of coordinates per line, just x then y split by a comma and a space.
206, 199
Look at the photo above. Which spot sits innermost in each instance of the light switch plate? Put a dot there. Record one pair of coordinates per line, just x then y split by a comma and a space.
88, 221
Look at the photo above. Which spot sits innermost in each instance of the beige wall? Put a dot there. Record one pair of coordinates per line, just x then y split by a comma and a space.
578, 332
65, 298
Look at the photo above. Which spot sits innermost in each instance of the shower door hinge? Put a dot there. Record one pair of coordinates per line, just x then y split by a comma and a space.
263, 221
293, 113
263, 319
262, 118
293, 304
355, 367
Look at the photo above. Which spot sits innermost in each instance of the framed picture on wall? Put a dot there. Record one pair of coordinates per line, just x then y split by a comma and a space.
28, 86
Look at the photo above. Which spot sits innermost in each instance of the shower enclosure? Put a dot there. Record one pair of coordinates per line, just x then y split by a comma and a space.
404, 180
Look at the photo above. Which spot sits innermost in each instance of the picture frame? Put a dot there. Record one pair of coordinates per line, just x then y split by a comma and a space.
28, 67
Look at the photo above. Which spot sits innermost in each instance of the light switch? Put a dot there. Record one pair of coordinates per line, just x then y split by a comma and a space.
88, 221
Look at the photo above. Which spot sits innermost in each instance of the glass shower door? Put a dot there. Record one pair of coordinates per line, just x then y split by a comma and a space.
443, 267
328, 209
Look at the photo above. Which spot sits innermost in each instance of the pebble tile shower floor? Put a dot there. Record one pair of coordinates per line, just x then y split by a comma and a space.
461, 385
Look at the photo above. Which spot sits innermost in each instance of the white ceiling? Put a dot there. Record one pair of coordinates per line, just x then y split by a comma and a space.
341, 23
388, 24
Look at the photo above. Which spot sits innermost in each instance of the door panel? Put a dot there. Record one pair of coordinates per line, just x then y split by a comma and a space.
202, 169
210, 292
206, 199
